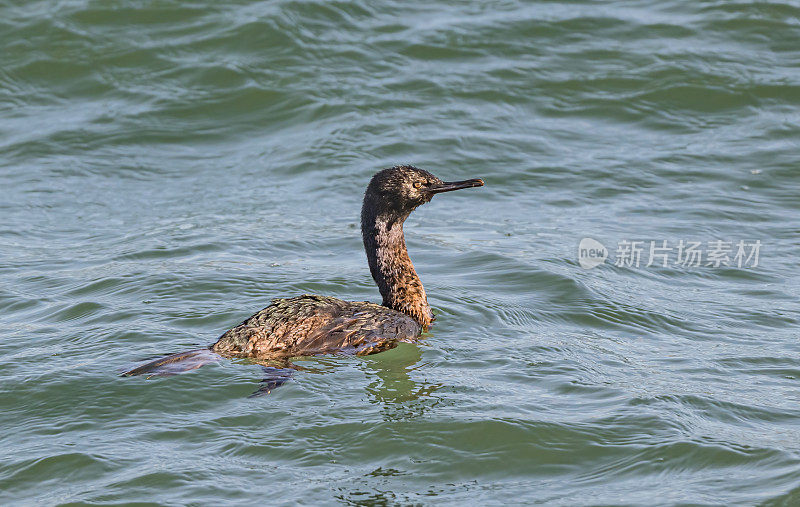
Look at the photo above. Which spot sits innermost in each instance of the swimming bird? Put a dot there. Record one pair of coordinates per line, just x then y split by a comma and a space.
310, 325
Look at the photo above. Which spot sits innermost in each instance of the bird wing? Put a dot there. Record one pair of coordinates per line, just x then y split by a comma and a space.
310, 325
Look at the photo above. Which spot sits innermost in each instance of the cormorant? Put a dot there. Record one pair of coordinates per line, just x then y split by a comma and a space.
311, 325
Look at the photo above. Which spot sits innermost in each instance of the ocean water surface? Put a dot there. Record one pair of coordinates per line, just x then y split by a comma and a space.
168, 167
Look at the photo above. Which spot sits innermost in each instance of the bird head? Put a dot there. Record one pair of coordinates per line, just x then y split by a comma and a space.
401, 189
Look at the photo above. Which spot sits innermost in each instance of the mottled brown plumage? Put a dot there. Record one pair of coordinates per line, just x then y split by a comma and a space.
311, 325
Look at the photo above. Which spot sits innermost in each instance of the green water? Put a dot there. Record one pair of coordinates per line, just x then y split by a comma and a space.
168, 167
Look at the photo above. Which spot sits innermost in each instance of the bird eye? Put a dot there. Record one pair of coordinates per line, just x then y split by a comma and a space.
417, 184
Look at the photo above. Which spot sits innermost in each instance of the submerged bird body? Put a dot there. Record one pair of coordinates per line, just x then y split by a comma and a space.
312, 325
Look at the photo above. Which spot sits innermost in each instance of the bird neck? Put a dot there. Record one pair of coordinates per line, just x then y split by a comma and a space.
391, 266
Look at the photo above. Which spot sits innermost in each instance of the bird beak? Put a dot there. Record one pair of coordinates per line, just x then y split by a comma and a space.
449, 186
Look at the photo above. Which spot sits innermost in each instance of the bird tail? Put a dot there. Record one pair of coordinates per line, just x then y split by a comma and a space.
174, 364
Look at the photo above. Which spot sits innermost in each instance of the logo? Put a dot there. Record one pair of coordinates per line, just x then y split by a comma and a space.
591, 253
